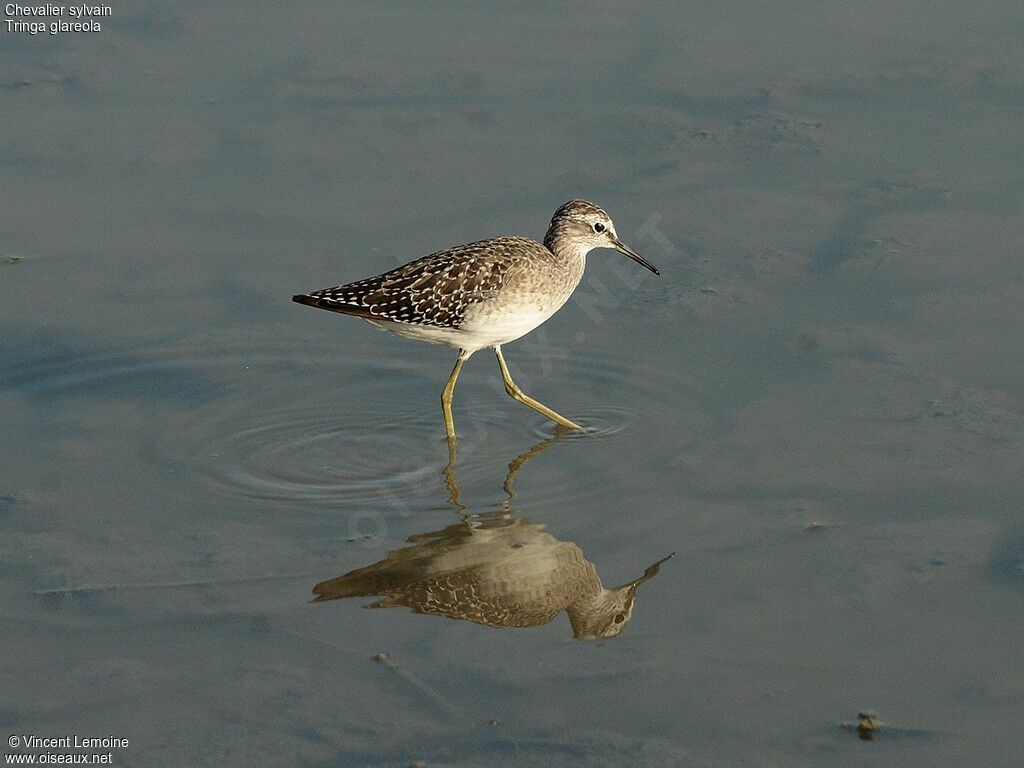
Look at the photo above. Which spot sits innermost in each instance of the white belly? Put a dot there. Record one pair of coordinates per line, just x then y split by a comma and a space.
490, 326
479, 329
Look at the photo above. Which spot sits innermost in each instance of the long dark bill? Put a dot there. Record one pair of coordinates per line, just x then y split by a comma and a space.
625, 249
649, 573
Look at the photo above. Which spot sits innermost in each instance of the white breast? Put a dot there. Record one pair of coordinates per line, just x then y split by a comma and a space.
491, 325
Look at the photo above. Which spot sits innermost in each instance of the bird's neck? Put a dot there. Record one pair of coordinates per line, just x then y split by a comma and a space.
587, 609
567, 250
588, 591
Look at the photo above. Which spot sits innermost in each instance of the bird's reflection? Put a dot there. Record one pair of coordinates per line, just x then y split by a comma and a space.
497, 569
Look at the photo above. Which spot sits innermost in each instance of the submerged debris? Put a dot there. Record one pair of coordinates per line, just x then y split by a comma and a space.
805, 343
866, 726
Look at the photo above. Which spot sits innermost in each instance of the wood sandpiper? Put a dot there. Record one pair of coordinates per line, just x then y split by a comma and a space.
482, 294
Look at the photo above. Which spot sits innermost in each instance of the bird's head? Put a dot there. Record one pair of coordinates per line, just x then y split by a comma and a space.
607, 613
581, 226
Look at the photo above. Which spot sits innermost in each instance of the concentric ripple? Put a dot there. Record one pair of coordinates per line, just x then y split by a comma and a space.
333, 431
325, 455
326, 430
298, 422
597, 422
298, 455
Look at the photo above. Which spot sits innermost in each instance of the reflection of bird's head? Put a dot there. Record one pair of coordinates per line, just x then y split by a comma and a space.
608, 612
606, 615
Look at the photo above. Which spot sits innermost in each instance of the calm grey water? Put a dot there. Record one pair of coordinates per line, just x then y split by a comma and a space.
819, 407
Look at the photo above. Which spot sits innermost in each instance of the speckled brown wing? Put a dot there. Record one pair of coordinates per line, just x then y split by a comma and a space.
500, 571
461, 595
436, 290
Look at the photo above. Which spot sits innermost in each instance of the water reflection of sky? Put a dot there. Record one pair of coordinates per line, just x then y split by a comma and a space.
818, 406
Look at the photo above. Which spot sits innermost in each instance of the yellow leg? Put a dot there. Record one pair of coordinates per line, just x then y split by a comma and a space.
517, 463
516, 393
449, 390
454, 493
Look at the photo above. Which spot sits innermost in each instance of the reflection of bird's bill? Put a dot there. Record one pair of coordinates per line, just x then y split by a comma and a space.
625, 249
649, 573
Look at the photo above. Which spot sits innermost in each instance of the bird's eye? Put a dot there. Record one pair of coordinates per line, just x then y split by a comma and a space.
619, 618
598, 226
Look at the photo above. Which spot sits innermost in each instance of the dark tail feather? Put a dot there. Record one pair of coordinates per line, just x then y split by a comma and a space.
359, 583
334, 306
303, 298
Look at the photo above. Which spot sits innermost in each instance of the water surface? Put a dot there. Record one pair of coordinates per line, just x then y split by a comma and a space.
819, 405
